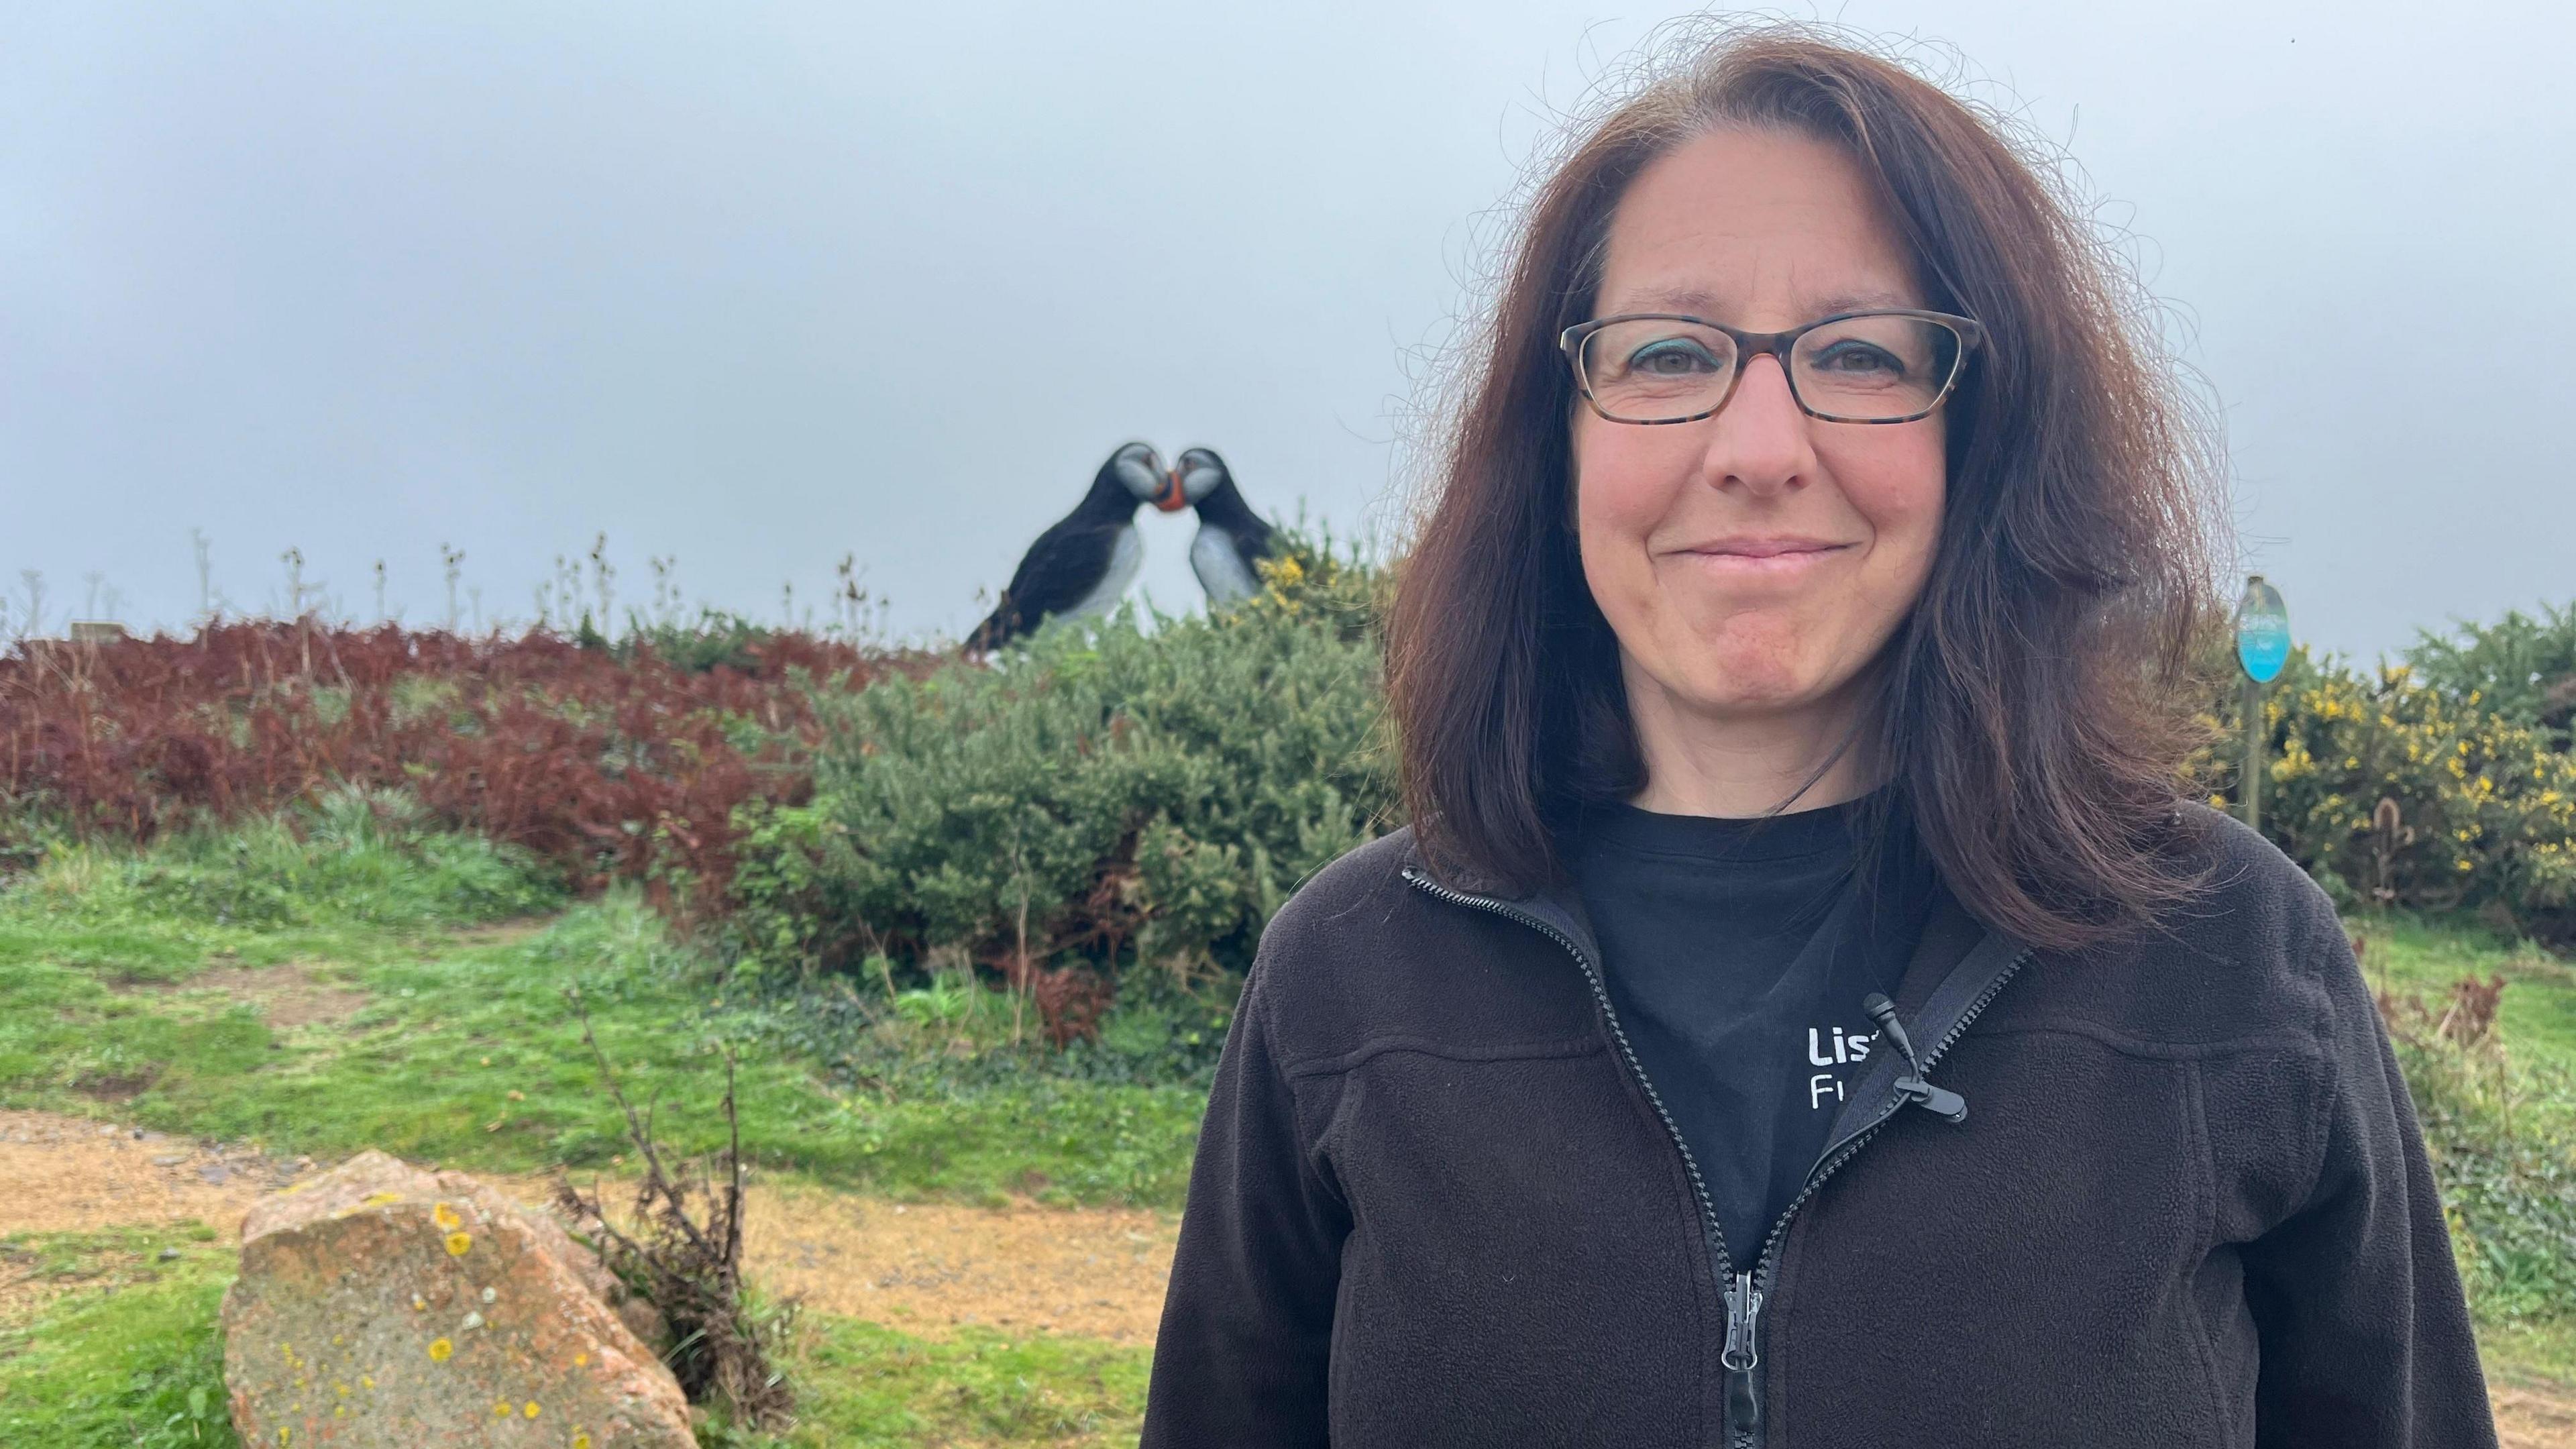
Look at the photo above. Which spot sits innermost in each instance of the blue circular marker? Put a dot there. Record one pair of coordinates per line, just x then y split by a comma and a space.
2262, 631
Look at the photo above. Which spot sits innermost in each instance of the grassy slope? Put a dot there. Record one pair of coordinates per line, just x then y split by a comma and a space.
2405, 956
2539, 1011
468, 1053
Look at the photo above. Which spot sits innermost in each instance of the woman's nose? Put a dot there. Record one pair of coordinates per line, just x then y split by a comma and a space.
1759, 440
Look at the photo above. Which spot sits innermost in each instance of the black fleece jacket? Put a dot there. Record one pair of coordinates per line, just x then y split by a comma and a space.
1435, 1203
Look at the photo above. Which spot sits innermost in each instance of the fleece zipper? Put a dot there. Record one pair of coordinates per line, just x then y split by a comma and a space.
1743, 1293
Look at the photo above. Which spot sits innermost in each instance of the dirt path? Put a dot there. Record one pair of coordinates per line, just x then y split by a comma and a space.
926, 1268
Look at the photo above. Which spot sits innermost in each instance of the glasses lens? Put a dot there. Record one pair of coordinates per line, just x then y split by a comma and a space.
1651, 370
1873, 369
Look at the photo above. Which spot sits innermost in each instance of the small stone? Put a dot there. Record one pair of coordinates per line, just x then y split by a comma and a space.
491, 1295
215, 1173
169, 1161
170, 1255
472, 1322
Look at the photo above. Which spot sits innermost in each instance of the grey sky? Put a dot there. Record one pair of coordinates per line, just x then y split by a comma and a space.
758, 286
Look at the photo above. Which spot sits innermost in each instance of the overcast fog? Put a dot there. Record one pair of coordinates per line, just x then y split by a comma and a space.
759, 286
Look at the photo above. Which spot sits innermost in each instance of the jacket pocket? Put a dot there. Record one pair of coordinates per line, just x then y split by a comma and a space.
2022, 1278
1523, 1265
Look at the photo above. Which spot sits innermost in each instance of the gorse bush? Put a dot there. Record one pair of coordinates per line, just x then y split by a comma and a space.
1102, 801
2393, 790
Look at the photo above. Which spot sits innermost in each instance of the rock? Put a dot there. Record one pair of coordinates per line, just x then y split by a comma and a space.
383, 1307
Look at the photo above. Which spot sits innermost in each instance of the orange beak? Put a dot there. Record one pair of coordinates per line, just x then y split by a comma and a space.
1172, 499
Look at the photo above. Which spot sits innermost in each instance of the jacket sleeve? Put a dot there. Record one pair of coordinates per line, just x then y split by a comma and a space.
2364, 1330
1240, 1359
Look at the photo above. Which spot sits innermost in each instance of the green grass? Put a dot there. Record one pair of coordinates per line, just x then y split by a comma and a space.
136, 1359
861, 1386
2409, 953
467, 1051
132, 1358
2502, 1129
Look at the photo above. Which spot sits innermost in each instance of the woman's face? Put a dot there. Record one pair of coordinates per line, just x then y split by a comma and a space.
1754, 563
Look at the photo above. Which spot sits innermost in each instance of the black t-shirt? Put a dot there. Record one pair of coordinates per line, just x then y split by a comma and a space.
1738, 953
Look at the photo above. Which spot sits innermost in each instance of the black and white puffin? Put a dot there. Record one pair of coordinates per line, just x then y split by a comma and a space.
1085, 561
1231, 536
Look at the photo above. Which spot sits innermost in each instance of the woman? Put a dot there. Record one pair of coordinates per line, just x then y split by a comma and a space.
1804, 1011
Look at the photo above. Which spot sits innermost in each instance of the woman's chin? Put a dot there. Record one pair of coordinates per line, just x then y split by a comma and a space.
1739, 694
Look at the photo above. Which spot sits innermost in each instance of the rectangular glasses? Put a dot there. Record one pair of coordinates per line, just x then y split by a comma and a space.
1887, 366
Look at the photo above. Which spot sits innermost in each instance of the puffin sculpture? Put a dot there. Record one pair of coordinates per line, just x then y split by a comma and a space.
1231, 538
1085, 561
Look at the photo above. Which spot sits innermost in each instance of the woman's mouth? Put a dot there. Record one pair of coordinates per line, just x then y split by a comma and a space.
1762, 557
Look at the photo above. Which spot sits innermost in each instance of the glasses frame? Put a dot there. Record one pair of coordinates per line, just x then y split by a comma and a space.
1750, 345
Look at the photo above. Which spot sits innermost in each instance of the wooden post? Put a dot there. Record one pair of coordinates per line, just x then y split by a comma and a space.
2254, 752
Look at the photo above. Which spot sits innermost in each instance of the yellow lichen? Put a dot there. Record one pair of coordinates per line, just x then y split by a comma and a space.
439, 1349
531, 1409
580, 1440
581, 1360
458, 1243
445, 1216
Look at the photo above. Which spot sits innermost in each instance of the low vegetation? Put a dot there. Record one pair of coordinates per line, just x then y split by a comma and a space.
129, 1354
622, 763
131, 981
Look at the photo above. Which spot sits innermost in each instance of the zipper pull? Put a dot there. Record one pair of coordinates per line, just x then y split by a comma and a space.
1939, 1101
1743, 1318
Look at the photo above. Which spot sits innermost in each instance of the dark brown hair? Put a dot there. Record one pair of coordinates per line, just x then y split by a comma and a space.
2032, 709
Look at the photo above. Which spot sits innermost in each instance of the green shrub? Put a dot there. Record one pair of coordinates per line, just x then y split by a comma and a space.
1104, 798
2389, 789
2519, 667
714, 638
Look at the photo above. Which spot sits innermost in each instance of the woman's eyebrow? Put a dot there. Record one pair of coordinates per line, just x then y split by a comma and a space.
1699, 302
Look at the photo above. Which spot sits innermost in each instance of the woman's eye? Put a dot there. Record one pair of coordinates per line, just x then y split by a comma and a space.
1853, 358
1672, 358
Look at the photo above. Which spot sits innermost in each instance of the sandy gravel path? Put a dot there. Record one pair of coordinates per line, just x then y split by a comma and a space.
923, 1267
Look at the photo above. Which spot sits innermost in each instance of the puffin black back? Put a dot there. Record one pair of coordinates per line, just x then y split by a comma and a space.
1084, 561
